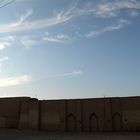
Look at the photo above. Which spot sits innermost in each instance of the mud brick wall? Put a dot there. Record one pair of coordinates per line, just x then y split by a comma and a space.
10, 111
71, 115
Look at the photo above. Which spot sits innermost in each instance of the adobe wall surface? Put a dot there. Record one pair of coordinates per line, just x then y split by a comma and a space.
131, 113
10, 111
77, 115
29, 114
52, 115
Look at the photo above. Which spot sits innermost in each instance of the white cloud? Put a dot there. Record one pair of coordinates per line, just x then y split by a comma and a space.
18, 25
8, 38
58, 38
111, 9
3, 45
28, 42
97, 9
6, 41
100, 9
120, 24
22, 24
25, 16
106, 9
73, 73
133, 13
14, 81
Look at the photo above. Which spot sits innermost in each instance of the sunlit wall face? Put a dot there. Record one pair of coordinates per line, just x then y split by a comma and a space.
69, 49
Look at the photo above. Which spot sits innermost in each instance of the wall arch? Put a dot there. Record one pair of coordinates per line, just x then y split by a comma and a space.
71, 123
117, 122
93, 123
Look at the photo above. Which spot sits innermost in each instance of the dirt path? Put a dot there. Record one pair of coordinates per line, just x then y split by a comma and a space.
32, 135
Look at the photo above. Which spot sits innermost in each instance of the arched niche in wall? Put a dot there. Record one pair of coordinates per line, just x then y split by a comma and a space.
117, 122
93, 123
71, 123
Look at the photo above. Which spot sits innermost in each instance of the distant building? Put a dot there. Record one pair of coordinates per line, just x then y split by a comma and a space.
77, 115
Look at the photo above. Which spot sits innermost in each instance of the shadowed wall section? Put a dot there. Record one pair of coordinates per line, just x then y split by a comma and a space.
93, 123
52, 115
10, 111
74, 115
71, 123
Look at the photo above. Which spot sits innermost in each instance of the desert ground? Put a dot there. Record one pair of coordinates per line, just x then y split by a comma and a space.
7, 134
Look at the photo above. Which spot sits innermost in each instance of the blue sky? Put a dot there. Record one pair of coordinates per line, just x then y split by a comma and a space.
52, 49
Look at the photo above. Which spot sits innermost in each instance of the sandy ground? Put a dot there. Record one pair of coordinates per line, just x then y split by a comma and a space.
33, 135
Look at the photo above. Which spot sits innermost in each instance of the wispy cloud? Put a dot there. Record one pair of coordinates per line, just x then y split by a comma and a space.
120, 24
112, 8
14, 81
28, 42
58, 38
73, 73
22, 24
133, 13
8, 38
3, 45
100, 9
3, 59
18, 25
6, 41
